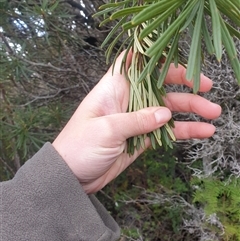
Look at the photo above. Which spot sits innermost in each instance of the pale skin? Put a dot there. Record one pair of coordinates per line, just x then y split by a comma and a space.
93, 141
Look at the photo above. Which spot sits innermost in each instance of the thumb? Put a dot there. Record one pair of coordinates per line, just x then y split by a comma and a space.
140, 122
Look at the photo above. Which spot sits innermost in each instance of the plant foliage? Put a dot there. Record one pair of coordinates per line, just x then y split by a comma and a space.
152, 29
44, 73
223, 199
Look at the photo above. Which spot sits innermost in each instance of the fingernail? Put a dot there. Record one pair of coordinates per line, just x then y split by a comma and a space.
162, 115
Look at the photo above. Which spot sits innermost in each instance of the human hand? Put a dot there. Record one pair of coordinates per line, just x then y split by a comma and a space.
93, 141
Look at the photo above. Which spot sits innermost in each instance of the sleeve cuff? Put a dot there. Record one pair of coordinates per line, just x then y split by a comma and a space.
48, 198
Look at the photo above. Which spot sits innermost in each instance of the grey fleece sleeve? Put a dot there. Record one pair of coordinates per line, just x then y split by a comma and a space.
44, 201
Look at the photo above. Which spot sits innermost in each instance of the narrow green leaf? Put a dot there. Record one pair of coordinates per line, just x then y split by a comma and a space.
231, 10
153, 10
195, 42
126, 12
157, 135
115, 4
170, 132
136, 41
44, 4
111, 46
216, 28
154, 61
150, 91
120, 49
165, 138
207, 38
176, 57
152, 139
143, 73
105, 11
54, 6
144, 96
197, 70
113, 31
191, 17
235, 2
123, 64
231, 50
126, 26
148, 41
168, 61
157, 93
104, 22
232, 30
130, 146
132, 71
153, 25
163, 41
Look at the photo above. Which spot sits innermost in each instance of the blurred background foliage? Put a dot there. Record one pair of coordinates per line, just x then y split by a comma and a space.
50, 59
49, 62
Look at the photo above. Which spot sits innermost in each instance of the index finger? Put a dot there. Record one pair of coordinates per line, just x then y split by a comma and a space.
178, 76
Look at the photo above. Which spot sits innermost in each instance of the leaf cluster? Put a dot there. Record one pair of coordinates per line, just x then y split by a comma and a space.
160, 21
152, 30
